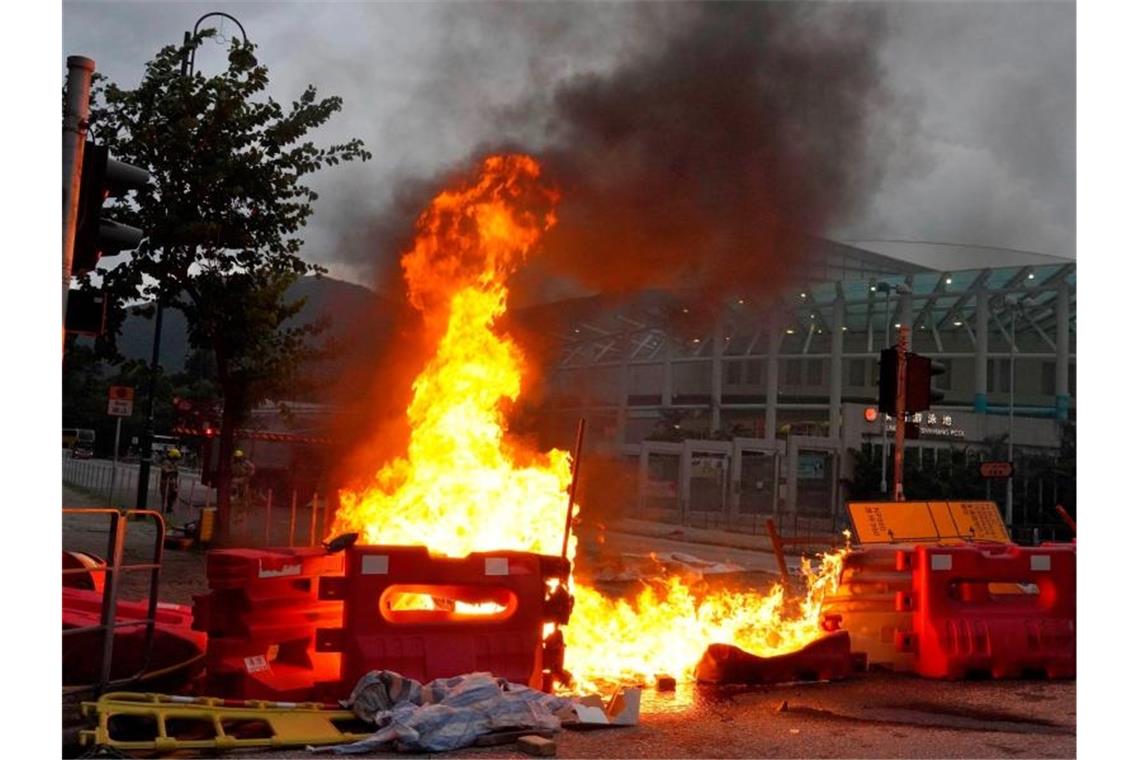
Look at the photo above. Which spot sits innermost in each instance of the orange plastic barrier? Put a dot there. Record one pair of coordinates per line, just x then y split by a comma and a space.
1003, 611
864, 605
262, 614
429, 617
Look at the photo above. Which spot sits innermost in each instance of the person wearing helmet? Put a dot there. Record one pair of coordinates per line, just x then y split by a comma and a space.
241, 475
168, 479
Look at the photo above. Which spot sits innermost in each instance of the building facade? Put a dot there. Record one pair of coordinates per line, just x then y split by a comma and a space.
804, 364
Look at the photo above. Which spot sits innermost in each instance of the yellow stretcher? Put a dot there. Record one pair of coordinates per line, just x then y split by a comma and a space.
163, 723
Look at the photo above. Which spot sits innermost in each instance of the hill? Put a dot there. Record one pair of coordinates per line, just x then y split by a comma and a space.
343, 303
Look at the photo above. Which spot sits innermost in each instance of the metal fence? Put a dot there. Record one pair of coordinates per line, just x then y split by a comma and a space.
257, 519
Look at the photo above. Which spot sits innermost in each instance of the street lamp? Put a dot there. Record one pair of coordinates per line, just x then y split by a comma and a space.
148, 429
188, 65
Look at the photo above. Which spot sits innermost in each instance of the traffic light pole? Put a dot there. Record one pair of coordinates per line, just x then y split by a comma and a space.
900, 410
79, 70
148, 428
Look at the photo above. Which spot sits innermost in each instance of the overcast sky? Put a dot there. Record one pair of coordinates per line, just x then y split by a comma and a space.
975, 141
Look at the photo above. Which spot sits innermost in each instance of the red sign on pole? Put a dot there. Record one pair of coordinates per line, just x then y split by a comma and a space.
120, 401
996, 469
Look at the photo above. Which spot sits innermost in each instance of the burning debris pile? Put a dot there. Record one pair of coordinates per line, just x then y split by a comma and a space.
465, 486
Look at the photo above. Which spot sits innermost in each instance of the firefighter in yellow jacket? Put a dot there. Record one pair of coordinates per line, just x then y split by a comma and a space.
168, 479
240, 476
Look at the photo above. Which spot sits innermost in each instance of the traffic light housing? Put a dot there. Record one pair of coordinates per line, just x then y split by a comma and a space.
95, 235
920, 370
86, 312
888, 379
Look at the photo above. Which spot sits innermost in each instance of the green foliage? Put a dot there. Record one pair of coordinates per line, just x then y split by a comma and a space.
225, 207
222, 215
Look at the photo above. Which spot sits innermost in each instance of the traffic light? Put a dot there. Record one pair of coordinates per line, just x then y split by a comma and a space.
86, 312
920, 370
888, 379
95, 235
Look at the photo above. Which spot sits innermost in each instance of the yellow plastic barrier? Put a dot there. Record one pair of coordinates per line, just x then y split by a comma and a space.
946, 522
163, 723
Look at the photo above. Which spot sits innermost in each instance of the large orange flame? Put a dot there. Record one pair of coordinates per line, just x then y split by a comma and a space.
463, 487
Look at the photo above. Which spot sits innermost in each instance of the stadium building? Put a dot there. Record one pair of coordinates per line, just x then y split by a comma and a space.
764, 407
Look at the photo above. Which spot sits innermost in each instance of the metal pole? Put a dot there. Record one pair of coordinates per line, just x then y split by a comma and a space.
292, 516
1012, 353
900, 412
115, 461
148, 428
268, 513
886, 344
75, 117
313, 521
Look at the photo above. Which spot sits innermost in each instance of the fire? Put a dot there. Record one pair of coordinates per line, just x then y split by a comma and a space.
665, 630
463, 486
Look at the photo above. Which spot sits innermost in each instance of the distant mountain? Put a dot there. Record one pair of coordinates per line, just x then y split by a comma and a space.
343, 303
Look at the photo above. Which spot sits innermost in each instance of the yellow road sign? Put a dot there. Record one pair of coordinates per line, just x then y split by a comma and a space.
947, 522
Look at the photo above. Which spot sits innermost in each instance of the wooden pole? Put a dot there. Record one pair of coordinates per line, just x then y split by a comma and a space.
778, 550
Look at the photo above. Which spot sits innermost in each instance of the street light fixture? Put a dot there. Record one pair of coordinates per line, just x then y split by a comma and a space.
188, 64
148, 428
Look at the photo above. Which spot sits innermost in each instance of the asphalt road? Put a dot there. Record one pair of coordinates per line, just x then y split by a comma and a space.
874, 715
869, 715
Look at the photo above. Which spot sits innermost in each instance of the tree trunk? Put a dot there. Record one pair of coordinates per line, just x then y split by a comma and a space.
226, 436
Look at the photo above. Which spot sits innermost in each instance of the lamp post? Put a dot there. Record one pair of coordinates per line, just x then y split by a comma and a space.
148, 429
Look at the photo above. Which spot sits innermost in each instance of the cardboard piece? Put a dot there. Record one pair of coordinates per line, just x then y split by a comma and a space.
623, 709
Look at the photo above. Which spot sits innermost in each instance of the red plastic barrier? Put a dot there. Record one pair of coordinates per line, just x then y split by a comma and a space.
175, 653
1002, 610
408, 611
262, 614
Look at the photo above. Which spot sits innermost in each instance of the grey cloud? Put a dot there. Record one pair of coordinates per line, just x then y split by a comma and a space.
974, 142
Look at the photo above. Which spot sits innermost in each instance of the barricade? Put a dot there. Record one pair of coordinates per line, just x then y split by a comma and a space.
864, 605
428, 617
1000, 610
262, 614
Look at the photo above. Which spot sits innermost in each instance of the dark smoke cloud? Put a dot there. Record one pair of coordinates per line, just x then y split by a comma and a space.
696, 155
703, 161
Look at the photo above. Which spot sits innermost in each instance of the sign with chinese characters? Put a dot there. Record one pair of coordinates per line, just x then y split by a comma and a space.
916, 522
932, 424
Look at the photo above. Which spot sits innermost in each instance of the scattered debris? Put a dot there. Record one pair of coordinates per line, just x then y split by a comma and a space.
507, 737
624, 709
633, 567
537, 746
783, 707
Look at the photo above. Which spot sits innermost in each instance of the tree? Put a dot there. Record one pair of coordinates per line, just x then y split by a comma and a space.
221, 218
